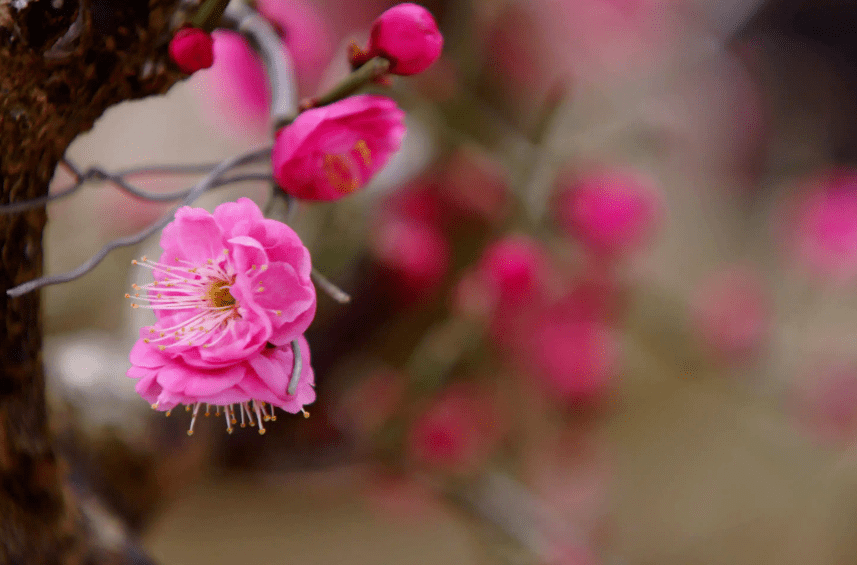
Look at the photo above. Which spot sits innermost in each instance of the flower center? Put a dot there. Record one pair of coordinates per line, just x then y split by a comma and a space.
345, 172
204, 309
219, 296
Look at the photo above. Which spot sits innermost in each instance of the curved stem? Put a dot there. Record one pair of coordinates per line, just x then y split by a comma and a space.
194, 193
297, 367
329, 288
275, 56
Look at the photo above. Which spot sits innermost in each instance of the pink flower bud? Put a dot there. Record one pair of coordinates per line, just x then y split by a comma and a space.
732, 313
192, 49
610, 212
407, 35
334, 150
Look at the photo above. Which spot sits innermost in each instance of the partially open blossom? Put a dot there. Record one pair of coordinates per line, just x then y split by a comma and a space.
457, 432
732, 313
332, 151
192, 49
408, 37
610, 212
229, 287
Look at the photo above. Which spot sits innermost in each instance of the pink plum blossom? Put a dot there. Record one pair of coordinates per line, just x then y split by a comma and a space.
334, 150
611, 212
228, 287
408, 37
457, 432
255, 385
192, 49
732, 313
825, 232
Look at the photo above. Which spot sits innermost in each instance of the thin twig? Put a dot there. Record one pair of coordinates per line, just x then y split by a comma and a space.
98, 174
93, 261
366, 73
329, 288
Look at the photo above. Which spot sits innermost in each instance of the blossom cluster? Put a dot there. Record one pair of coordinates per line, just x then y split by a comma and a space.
232, 293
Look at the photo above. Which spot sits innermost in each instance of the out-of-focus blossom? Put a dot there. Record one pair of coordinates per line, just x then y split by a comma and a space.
416, 254
456, 433
192, 49
408, 37
471, 298
513, 268
236, 88
594, 295
732, 313
612, 212
401, 497
366, 406
825, 404
246, 391
332, 151
572, 359
825, 226
476, 185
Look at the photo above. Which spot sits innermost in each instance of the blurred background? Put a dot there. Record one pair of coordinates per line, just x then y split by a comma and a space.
603, 304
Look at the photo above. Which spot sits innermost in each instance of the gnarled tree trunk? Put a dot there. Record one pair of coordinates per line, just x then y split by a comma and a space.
62, 63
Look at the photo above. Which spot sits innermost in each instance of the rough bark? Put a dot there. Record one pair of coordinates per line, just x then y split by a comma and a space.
62, 63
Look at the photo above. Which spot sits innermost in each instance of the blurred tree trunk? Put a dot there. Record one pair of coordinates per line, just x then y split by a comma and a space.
62, 63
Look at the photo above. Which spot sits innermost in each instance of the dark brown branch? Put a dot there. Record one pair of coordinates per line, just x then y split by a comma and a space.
60, 68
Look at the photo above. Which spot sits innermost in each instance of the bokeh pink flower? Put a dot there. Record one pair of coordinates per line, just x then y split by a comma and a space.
825, 225
732, 313
457, 432
611, 212
332, 151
